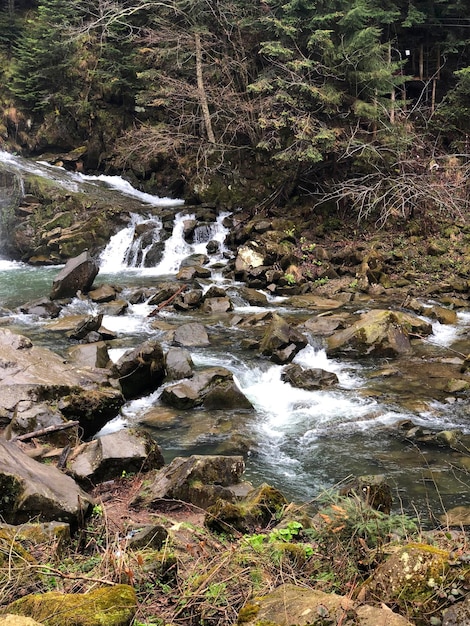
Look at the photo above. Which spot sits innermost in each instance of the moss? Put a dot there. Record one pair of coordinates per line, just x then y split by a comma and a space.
107, 606
248, 613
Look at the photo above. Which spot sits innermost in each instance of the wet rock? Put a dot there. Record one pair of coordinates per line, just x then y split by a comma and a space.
77, 275
30, 490
178, 364
113, 606
324, 326
253, 297
165, 292
107, 457
213, 306
440, 313
94, 355
193, 272
90, 324
281, 342
191, 335
189, 300
141, 370
379, 332
201, 480
103, 293
310, 379
214, 388
43, 307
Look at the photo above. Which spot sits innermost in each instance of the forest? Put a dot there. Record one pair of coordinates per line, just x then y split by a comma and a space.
359, 105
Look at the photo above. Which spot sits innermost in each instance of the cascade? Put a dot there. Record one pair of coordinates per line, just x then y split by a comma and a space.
304, 440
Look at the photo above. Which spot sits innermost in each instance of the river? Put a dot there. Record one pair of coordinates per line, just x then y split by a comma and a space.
302, 442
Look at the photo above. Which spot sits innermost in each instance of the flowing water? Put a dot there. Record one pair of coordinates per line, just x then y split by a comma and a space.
300, 441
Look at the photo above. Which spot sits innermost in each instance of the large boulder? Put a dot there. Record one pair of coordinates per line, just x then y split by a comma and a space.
281, 342
379, 332
142, 369
78, 274
110, 606
107, 457
213, 388
178, 363
30, 490
201, 480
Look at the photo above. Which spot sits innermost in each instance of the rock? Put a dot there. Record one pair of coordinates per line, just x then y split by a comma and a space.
289, 604
94, 355
201, 480
17, 620
32, 416
43, 307
253, 297
148, 538
112, 606
409, 574
189, 300
248, 256
57, 534
165, 292
29, 490
77, 275
373, 489
259, 509
141, 370
312, 301
379, 332
89, 324
103, 293
458, 516
193, 272
457, 615
191, 335
324, 326
31, 375
178, 364
93, 408
213, 306
214, 388
107, 457
310, 379
281, 342
441, 314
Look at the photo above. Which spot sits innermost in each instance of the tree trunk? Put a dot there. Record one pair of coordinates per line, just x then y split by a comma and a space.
201, 90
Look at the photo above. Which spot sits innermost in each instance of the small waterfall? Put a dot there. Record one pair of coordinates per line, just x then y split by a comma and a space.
139, 245
130, 246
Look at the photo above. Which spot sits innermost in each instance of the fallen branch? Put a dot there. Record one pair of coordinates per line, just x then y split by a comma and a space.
45, 431
163, 304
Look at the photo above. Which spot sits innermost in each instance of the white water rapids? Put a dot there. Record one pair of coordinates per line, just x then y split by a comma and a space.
300, 441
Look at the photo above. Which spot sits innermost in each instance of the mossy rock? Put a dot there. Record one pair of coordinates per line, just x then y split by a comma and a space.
411, 574
262, 505
107, 606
